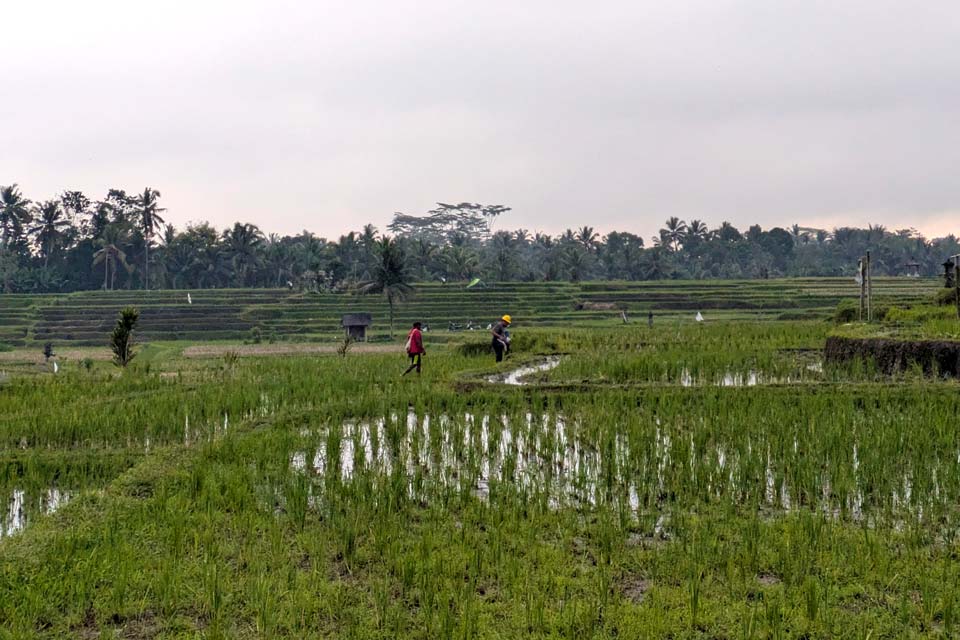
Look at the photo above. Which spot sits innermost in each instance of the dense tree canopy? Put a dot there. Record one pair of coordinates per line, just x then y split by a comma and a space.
72, 242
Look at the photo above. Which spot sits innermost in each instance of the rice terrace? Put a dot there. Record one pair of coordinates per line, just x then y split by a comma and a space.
685, 479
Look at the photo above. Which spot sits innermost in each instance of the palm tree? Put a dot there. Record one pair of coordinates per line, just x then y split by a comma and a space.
727, 232
14, 215
696, 232
368, 240
587, 237
424, 252
277, 257
844, 236
503, 255
241, 249
656, 267
673, 233
876, 232
390, 275
111, 253
575, 259
149, 220
461, 262
50, 224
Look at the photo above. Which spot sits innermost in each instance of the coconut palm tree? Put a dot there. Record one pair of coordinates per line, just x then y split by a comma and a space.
575, 260
673, 233
149, 222
111, 253
503, 255
876, 232
368, 241
390, 275
696, 232
587, 237
726, 232
425, 253
14, 215
241, 249
49, 226
461, 262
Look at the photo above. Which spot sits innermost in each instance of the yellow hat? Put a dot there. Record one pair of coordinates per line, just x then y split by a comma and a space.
506, 319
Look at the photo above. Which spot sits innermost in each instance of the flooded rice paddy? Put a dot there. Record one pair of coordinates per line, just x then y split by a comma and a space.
641, 467
20, 505
521, 375
685, 484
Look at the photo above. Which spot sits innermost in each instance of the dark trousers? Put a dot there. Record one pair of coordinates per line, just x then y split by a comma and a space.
414, 363
499, 348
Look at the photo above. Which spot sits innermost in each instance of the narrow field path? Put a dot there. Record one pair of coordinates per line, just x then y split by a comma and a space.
296, 349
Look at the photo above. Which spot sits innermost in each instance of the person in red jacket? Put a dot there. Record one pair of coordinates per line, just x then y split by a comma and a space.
414, 348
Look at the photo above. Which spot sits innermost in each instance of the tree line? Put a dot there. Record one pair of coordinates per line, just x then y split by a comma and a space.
72, 242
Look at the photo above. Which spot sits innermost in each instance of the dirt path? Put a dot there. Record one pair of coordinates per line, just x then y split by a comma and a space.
216, 350
35, 356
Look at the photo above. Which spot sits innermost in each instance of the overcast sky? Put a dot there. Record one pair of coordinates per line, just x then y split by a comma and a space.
619, 113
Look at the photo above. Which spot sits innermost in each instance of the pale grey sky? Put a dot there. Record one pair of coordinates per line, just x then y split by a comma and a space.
324, 115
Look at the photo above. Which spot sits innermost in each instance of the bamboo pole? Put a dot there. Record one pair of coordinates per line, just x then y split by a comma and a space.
863, 288
956, 282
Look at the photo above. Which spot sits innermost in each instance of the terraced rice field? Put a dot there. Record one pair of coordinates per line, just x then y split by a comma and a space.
84, 318
711, 480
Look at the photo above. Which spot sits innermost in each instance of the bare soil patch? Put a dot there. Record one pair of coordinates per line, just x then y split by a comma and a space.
36, 356
216, 350
768, 579
634, 588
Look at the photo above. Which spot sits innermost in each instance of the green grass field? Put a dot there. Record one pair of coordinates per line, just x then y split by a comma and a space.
693, 480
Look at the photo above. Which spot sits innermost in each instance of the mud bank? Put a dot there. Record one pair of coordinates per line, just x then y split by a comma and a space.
892, 356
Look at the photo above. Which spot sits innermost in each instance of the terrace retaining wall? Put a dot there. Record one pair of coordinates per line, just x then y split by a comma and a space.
891, 356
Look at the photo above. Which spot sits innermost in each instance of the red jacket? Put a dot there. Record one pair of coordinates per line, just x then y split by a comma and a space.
416, 342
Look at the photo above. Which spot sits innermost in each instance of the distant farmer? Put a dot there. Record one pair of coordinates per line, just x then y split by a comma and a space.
415, 348
501, 337
650, 319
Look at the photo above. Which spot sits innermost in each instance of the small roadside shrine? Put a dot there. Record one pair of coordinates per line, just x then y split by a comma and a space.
355, 325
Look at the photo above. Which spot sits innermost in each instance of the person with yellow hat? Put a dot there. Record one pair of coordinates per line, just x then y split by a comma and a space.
501, 337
